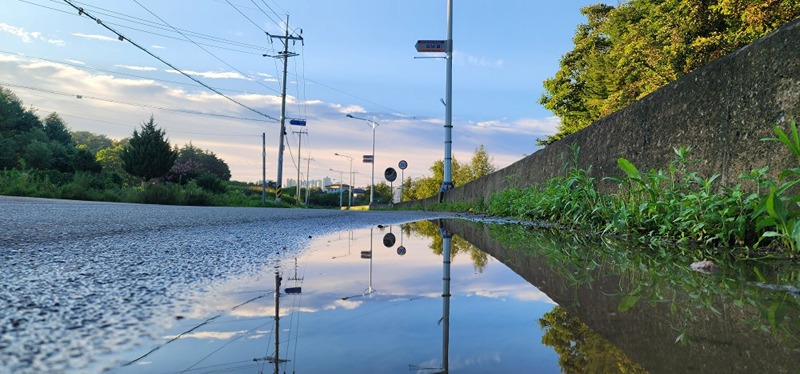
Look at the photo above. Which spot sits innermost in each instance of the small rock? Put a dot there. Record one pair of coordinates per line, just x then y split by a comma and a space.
704, 266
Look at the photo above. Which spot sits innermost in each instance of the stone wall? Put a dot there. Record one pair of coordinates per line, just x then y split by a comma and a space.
721, 110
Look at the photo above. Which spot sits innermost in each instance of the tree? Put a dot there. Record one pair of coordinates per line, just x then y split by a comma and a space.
84, 160
57, 131
193, 162
93, 142
383, 193
148, 155
480, 164
623, 54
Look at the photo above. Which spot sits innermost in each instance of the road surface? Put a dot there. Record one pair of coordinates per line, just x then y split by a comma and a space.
81, 280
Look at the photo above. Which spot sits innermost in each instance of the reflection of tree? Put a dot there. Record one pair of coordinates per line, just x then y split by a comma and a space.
457, 245
581, 350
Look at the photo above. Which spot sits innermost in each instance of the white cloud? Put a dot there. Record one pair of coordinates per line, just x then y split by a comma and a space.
76, 62
29, 37
482, 62
529, 126
137, 68
96, 37
156, 46
212, 74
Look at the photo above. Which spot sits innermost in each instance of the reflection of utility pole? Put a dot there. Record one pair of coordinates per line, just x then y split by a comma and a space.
446, 239
275, 359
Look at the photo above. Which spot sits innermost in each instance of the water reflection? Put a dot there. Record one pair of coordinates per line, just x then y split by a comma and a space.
401, 322
649, 303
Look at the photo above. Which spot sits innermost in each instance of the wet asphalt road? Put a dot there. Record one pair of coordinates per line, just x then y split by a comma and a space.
81, 280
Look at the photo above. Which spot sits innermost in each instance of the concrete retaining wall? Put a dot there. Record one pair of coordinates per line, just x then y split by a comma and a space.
721, 110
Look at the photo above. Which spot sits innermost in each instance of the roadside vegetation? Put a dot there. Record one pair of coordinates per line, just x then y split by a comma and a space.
676, 205
43, 158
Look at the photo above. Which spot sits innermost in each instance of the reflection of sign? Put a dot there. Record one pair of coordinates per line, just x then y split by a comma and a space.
366, 254
293, 290
390, 174
401, 250
368, 159
431, 46
388, 240
298, 122
402, 165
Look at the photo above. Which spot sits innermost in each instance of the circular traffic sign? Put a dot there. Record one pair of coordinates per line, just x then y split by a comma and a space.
402, 164
388, 240
390, 174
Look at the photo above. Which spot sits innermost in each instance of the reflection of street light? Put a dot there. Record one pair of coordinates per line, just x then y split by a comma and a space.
369, 289
374, 125
350, 195
341, 181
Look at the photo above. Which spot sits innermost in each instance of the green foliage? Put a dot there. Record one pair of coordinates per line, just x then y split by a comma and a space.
580, 349
780, 211
479, 165
676, 204
193, 162
93, 142
57, 130
624, 53
148, 155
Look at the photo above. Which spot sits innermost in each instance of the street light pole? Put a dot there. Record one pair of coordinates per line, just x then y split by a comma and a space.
341, 181
350, 175
374, 125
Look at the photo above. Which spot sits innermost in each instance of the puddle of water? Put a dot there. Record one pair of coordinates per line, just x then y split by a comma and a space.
366, 301
510, 299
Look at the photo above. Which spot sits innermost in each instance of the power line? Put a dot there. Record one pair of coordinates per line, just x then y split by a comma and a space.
122, 38
135, 20
83, 66
199, 46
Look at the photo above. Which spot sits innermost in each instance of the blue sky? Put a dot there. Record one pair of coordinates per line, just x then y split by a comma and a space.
357, 58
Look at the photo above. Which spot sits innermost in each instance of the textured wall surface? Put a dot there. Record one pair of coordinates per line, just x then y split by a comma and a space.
721, 110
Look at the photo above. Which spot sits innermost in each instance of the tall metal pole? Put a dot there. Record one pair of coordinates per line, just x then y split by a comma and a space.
299, 144
447, 181
308, 170
263, 168
285, 56
372, 189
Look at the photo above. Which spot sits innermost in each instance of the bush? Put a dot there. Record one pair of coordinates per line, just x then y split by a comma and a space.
211, 183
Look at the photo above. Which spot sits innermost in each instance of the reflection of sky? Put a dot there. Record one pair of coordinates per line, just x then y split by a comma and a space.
396, 327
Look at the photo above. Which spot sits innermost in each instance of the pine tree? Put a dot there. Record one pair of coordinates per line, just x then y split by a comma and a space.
148, 155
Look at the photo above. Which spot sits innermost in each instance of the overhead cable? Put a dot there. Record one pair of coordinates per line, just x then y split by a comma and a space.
122, 38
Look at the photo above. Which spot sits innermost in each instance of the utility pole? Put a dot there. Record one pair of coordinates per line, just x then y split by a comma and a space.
263, 168
299, 144
308, 170
447, 182
285, 56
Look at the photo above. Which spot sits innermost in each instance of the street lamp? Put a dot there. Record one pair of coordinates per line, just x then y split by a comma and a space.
341, 181
374, 125
350, 195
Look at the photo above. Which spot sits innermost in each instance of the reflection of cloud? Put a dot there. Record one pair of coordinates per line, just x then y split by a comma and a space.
96, 37
28, 37
521, 292
219, 335
345, 304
